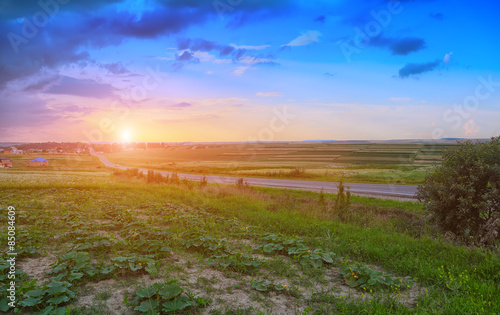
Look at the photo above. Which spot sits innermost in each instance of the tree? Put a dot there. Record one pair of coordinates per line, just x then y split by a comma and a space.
463, 193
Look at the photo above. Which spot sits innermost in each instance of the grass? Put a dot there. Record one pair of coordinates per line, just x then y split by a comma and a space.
404, 163
64, 209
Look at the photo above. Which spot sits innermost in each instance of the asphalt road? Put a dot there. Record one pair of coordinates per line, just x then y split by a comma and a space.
373, 190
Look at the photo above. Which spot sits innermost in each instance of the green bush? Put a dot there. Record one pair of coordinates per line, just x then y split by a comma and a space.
463, 193
343, 201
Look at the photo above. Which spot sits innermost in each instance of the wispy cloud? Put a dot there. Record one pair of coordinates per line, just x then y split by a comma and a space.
249, 47
268, 94
400, 99
305, 39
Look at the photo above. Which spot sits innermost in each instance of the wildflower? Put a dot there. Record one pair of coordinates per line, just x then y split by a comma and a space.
284, 286
308, 250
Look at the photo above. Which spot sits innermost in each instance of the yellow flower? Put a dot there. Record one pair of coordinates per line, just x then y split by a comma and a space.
308, 250
140, 264
284, 286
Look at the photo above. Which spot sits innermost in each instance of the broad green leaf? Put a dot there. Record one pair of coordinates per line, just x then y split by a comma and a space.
4, 306
74, 275
147, 292
57, 290
134, 267
317, 263
58, 300
148, 306
171, 291
35, 293
31, 301
177, 304
108, 269
46, 311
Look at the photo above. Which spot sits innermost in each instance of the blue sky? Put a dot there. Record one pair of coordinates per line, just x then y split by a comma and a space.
239, 70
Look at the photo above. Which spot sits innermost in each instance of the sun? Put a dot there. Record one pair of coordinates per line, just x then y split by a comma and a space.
126, 135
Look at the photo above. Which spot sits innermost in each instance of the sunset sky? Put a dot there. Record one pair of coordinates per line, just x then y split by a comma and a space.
240, 70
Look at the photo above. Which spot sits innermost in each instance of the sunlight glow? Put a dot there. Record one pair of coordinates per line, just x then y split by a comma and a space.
126, 135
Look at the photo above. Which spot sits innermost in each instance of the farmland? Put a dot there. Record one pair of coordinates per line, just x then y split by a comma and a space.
94, 242
385, 163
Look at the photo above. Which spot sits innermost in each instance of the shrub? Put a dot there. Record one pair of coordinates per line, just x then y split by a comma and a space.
241, 183
463, 193
204, 181
343, 201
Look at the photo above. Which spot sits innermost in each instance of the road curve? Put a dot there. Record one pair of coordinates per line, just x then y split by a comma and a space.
373, 190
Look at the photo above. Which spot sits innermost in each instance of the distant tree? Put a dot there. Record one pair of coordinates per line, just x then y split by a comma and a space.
463, 193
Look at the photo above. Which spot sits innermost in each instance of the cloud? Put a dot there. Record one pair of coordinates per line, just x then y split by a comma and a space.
470, 128
204, 45
249, 62
417, 68
268, 94
69, 34
399, 46
180, 106
328, 74
239, 71
249, 47
400, 99
320, 19
305, 39
447, 58
116, 68
437, 16
84, 88
42, 84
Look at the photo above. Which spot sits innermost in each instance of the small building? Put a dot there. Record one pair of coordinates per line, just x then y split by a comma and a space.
5, 162
39, 162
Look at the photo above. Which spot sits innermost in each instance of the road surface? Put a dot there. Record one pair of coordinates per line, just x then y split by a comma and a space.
373, 190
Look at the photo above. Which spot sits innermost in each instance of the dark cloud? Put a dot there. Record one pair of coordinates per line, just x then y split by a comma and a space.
68, 35
399, 46
186, 58
320, 19
116, 68
13, 9
204, 45
41, 85
437, 16
417, 68
84, 88
81, 25
24, 110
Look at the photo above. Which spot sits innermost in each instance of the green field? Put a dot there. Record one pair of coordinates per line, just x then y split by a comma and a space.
94, 242
400, 163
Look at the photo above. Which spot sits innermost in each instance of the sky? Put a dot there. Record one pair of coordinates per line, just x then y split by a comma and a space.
242, 70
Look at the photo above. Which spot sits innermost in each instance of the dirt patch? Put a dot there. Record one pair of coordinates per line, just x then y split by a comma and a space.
37, 267
114, 302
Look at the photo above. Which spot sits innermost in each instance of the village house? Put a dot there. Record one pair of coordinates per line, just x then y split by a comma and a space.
38, 162
5, 162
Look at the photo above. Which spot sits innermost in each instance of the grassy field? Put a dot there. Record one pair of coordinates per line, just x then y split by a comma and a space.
62, 162
400, 163
91, 242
